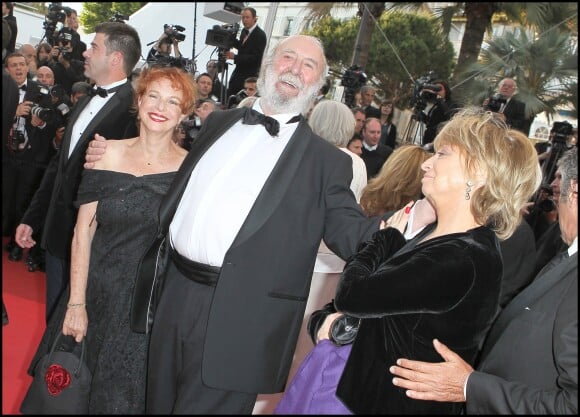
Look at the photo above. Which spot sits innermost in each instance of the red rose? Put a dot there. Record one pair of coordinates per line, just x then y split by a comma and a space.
57, 378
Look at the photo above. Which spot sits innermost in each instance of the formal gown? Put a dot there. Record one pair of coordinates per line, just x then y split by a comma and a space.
127, 216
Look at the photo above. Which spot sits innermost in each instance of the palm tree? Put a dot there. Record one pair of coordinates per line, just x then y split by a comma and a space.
370, 12
546, 69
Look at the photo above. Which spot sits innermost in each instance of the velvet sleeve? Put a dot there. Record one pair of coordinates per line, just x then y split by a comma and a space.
431, 278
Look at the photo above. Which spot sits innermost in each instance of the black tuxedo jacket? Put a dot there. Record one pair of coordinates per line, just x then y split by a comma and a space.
53, 204
530, 358
261, 295
248, 59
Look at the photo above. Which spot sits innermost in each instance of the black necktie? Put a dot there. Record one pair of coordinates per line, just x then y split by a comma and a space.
253, 117
244, 35
100, 91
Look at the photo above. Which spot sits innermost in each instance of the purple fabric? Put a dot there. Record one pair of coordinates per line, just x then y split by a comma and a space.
313, 388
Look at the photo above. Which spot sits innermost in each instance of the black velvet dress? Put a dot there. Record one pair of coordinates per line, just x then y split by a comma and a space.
127, 216
408, 294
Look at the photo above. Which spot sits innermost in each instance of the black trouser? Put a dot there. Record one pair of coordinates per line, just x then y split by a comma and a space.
174, 380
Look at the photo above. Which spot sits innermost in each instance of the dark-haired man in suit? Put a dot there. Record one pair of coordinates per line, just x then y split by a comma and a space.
251, 47
529, 362
109, 61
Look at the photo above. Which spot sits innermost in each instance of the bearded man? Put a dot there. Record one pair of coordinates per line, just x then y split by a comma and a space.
244, 217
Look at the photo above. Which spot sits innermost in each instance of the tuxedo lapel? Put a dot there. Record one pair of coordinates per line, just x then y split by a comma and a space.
76, 111
97, 120
549, 276
277, 183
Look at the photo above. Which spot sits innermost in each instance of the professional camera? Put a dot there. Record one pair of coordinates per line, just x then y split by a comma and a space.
54, 22
561, 131
421, 95
352, 80
173, 32
16, 140
118, 17
494, 103
223, 36
236, 99
50, 104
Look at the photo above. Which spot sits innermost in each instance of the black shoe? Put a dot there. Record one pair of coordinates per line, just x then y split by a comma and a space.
15, 254
35, 262
9, 246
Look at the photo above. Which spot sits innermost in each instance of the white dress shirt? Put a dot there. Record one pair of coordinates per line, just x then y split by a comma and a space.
223, 188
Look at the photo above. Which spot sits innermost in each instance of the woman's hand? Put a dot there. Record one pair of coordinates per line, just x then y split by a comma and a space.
400, 218
76, 322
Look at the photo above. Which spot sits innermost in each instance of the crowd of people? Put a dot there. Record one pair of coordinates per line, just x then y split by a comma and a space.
322, 258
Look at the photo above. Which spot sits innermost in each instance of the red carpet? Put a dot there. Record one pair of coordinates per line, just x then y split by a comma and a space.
24, 296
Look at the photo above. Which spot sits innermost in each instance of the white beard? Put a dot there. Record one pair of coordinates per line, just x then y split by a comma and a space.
281, 103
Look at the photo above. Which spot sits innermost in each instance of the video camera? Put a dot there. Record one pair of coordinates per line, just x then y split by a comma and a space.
561, 131
118, 17
352, 80
54, 22
174, 32
224, 36
425, 91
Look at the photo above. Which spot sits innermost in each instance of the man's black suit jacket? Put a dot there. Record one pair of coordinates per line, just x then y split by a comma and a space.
259, 301
248, 59
529, 361
53, 204
515, 115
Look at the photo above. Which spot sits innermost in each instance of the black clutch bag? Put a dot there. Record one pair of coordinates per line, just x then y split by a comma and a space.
343, 330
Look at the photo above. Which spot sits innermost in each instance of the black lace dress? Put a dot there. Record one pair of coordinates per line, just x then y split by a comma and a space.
127, 216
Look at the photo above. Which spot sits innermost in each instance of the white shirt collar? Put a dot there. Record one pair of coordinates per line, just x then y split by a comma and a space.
369, 147
573, 247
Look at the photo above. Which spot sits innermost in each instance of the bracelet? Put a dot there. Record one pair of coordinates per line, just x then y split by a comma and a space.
71, 305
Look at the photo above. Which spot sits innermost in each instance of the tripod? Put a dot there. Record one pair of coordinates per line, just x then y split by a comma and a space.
415, 128
224, 67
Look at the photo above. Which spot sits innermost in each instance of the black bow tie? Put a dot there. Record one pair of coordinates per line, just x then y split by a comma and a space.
23, 87
100, 91
253, 117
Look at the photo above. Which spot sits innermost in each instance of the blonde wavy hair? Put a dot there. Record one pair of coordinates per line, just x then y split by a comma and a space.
398, 181
504, 157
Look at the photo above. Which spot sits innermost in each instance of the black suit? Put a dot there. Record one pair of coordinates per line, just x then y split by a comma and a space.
515, 115
374, 160
530, 358
23, 169
258, 304
52, 207
519, 254
248, 59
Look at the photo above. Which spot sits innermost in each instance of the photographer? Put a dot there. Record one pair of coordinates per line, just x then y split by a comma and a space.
29, 149
510, 109
72, 22
561, 139
8, 16
250, 46
162, 48
250, 89
432, 110
67, 70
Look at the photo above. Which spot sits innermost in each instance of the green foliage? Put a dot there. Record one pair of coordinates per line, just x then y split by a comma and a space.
404, 47
545, 68
95, 13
